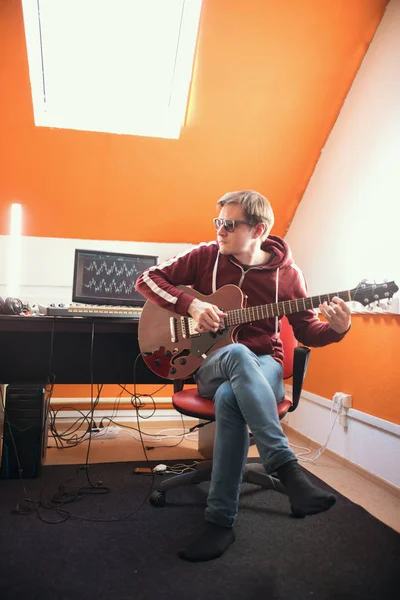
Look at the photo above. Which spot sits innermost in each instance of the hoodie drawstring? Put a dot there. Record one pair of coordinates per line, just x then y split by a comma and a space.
277, 334
214, 275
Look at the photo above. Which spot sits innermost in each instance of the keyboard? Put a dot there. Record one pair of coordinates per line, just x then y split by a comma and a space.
94, 310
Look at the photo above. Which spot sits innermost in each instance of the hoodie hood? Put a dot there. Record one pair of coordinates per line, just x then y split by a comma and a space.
282, 253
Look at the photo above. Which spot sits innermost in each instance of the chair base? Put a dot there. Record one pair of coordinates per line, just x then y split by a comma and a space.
253, 473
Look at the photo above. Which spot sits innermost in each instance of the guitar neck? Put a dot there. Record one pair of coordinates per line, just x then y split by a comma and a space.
279, 309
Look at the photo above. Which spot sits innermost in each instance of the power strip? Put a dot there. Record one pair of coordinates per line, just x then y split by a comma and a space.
106, 433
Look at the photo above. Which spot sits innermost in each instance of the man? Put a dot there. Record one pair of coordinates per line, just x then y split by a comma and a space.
245, 378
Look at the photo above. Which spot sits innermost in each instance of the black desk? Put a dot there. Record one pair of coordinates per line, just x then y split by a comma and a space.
25, 348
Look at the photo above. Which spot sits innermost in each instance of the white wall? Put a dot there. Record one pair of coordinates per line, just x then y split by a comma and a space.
347, 224
47, 264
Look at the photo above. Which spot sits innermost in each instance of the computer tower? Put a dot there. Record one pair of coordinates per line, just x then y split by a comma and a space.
25, 431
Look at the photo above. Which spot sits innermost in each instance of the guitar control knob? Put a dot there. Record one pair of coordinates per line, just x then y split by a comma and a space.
182, 361
172, 371
157, 362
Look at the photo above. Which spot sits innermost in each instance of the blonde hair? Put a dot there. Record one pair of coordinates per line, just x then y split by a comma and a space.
257, 208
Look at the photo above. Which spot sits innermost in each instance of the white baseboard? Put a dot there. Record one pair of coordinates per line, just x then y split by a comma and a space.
368, 442
124, 415
129, 416
126, 399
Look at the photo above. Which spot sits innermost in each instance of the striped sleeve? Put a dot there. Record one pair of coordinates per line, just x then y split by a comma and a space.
159, 283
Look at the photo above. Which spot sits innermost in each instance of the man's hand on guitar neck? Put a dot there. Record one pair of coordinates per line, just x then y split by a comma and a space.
337, 313
207, 316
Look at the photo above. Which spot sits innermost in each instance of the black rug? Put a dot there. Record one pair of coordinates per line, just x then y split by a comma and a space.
342, 554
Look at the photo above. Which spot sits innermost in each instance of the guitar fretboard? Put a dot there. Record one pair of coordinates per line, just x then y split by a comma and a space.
279, 309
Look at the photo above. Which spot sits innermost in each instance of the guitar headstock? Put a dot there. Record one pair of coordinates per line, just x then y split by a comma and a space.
366, 293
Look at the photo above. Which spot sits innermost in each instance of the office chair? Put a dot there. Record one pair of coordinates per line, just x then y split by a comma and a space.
189, 403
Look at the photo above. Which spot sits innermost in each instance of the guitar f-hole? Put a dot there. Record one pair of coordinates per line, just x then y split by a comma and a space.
181, 357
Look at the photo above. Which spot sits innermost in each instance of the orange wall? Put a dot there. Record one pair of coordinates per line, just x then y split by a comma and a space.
365, 364
269, 80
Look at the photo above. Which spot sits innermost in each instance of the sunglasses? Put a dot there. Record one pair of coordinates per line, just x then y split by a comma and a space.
229, 224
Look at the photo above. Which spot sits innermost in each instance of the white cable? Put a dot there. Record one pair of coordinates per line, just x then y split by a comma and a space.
307, 450
320, 450
154, 439
180, 468
186, 435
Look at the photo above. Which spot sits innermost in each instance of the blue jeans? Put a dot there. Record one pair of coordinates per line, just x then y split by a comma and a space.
246, 389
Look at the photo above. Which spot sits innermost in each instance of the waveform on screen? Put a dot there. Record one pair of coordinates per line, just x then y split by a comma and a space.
114, 278
117, 269
110, 287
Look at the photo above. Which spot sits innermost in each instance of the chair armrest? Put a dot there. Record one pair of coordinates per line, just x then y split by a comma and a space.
300, 362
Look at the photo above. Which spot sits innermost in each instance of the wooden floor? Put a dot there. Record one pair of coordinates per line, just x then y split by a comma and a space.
375, 497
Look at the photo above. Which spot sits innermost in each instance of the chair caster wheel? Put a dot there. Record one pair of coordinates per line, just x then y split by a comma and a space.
157, 499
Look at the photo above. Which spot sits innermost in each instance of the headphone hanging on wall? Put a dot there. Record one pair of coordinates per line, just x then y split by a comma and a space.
11, 306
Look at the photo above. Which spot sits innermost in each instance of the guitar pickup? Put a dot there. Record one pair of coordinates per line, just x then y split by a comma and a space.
188, 328
173, 329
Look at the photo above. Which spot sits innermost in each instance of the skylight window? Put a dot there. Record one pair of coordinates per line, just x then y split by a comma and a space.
117, 66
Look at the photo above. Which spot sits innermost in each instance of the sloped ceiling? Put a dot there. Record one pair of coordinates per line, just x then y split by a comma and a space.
269, 81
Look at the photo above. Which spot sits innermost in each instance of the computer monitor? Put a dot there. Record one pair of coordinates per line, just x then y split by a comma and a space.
108, 278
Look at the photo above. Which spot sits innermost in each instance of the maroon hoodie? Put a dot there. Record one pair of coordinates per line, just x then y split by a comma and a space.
205, 269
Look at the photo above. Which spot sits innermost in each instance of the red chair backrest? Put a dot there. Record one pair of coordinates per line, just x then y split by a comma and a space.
289, 344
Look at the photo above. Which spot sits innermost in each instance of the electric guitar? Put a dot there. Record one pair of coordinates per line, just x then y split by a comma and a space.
172, 348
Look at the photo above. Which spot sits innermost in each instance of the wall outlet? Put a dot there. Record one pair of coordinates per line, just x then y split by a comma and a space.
342, 400
337, 400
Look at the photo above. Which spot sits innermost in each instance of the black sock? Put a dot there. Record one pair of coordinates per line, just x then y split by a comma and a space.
211, 543
305, 499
